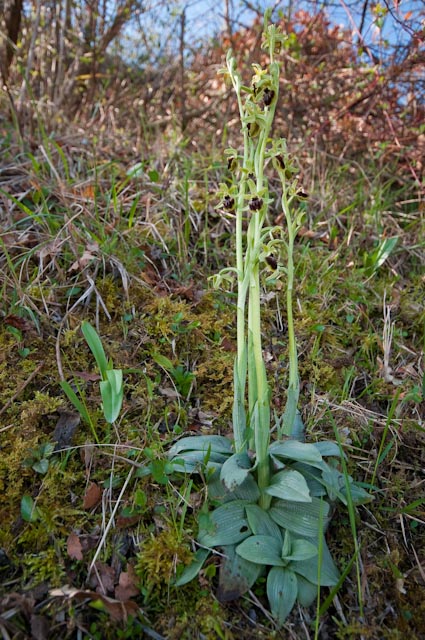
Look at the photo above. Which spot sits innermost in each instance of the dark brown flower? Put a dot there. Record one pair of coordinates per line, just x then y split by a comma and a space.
228, 203
268, 96
255, 204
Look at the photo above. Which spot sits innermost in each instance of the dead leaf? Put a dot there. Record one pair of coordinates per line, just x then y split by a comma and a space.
103, 578
127, 585
82, 262
40, 627
74, 547
168, 392
86, 375
65, 428
92, 496
117, 610
18, 323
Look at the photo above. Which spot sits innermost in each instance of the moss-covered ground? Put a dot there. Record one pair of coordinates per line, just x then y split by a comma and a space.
90, 544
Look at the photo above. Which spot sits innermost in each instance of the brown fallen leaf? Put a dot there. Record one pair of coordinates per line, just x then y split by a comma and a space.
18, 323
92, 496
74, 547
86, 375
40, 627
103, 578
65, 428
127, 585
119, 611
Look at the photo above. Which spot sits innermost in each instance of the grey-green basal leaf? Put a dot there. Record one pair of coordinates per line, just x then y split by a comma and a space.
227, 525
96, 347
235, 470
215, 444
282, 590
237, 575
262, 550
261, 523
301, 518
297, 451
289, 485
309, 569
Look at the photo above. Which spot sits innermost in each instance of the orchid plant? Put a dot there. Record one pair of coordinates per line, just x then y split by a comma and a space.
271, 500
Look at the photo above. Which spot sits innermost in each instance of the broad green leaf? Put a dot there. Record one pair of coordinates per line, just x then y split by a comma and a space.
29, 511
163, 362
235, 470
216, 444
358, 494
260, 522
287, 544
282, 590
302, 518
194, 462
191, 571
262, 550
307, 592
312, 476
376, 259
236, 576
289, 485
247, 491
42, 466
226, 525
328, 448
334, 481
297, 451
309, 569
200, 457
290, 425
301, 550
111, 391
96, 347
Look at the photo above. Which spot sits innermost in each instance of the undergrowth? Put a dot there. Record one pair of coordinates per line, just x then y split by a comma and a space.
86, 236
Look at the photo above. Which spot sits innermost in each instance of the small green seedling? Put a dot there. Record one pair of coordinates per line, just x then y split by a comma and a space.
182, 378
39, 458
111, 385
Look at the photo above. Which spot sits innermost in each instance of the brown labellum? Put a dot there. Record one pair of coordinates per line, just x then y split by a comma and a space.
268, 96
228, 203
255, 204
272, 262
